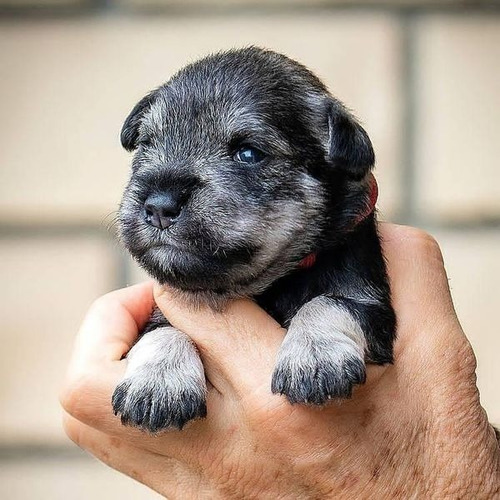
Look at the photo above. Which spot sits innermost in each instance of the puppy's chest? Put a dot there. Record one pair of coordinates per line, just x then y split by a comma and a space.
285, 297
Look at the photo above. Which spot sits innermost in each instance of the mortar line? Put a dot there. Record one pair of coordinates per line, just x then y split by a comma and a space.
408, 210
193, 10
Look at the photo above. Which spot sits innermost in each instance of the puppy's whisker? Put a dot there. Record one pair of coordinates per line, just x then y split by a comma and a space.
110, 221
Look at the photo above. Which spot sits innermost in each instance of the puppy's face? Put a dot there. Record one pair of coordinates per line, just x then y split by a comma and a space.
244, 165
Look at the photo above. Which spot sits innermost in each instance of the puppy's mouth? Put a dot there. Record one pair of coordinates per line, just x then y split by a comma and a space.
195, 266
201, 250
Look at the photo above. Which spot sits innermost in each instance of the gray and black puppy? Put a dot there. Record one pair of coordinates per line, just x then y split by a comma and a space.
250, 180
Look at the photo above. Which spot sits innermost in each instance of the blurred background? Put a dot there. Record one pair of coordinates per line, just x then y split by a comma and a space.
423, 76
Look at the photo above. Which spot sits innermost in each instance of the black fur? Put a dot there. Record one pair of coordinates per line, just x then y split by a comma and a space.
130, 130
244, 228
147, 413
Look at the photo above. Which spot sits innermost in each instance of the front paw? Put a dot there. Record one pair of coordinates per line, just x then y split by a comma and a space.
155, 404
164, 385
306, 375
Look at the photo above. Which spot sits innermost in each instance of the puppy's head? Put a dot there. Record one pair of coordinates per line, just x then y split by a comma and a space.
244, 164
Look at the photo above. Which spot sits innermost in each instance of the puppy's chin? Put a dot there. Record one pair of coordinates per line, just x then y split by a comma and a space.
189, 270
207, 277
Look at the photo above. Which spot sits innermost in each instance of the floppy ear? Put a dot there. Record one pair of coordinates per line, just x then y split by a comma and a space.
349, 148
130, 129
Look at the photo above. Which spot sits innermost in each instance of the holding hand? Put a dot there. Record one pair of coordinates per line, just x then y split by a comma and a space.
416, 429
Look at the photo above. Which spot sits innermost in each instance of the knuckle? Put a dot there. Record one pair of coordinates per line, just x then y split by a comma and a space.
101, 305
72, 429
466, 358
422, 243
75, 393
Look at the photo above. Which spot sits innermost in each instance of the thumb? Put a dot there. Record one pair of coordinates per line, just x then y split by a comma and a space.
237, 343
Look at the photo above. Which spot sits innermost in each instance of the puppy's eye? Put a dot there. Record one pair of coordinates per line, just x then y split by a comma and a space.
248, 154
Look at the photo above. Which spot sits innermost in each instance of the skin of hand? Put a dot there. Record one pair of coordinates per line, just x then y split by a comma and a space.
416, 429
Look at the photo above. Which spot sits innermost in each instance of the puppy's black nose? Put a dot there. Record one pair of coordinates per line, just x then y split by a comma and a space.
160, 210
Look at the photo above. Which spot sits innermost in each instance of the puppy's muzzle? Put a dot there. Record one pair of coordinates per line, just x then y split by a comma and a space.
161, 210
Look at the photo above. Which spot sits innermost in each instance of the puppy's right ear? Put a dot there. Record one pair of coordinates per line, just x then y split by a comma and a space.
130, 129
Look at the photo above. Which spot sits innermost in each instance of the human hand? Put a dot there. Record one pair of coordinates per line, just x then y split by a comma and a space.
415, 429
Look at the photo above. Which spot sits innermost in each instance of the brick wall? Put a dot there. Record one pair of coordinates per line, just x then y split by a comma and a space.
423, 77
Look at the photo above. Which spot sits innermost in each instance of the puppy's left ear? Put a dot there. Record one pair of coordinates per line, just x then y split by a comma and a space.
349, 147
130, 130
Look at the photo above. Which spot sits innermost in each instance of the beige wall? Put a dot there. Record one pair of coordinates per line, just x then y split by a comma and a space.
67, 85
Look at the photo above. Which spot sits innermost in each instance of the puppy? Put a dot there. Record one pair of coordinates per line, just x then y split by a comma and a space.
250, 180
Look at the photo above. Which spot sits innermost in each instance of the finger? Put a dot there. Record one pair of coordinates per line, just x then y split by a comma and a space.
112, 324
420, 291
157, 471
416, 269
108, 330
238, 345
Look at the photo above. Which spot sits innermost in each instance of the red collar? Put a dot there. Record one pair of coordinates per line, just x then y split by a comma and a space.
372, 199
309, 260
